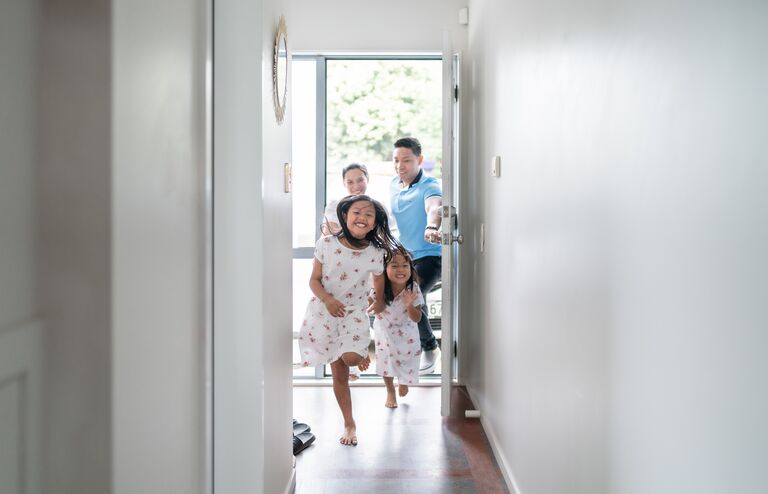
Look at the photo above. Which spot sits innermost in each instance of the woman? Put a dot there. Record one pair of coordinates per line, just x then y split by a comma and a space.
355, 178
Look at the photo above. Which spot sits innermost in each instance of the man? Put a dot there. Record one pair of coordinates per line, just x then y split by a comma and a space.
416, 203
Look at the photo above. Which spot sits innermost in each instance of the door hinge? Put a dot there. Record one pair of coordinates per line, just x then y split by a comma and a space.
456, 93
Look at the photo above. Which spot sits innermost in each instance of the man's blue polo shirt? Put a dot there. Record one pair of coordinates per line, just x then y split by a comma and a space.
408, 209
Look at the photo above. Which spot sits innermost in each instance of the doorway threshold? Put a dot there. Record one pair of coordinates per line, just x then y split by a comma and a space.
432, 380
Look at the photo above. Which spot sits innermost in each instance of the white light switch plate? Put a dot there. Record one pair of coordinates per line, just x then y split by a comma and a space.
464, 16
287, 178
496, 166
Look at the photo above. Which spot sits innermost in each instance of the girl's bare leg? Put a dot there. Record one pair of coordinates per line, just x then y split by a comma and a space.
340, 372
391, 402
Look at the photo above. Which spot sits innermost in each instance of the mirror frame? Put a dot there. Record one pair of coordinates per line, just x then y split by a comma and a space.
279, 94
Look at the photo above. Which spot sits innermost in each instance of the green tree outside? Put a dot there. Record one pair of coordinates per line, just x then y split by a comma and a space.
371, 103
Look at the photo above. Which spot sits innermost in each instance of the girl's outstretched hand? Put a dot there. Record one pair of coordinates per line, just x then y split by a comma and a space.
376, 307
408, 296
334, 307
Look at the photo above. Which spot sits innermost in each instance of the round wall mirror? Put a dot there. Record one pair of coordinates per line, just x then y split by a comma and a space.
280, 70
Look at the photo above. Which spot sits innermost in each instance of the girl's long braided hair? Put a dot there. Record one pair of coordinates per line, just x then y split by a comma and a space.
379, 237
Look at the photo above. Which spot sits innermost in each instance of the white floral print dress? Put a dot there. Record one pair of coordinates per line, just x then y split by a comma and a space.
398, 348
347, 276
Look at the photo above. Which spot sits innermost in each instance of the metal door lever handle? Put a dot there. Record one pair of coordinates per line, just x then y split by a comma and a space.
448, 238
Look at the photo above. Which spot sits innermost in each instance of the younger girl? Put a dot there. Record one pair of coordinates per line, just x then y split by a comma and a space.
395, 331
336, 327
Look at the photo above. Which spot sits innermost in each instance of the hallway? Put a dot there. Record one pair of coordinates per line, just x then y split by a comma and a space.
612, 277
407, 450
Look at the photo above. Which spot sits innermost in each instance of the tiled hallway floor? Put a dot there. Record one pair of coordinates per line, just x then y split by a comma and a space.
411, 449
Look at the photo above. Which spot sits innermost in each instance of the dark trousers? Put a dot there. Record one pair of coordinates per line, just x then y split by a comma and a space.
428, 269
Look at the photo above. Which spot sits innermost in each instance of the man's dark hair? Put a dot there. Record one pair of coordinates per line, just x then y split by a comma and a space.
409, 142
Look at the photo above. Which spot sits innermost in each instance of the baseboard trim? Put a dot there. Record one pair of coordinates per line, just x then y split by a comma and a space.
501, 459
363, 382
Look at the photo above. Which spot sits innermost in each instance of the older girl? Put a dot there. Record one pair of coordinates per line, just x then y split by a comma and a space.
336, 327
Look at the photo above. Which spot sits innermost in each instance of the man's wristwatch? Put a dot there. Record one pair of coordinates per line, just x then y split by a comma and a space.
431, 227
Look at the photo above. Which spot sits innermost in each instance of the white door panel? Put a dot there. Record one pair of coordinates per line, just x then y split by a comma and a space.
450, 236
20, 409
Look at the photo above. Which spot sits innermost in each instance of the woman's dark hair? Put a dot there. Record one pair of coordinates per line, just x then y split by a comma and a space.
389, 296
380, 236
354, 166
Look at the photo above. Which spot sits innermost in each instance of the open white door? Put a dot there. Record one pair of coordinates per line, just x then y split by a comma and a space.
451, 239
20, 407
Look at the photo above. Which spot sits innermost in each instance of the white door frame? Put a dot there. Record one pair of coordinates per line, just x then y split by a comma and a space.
451, 238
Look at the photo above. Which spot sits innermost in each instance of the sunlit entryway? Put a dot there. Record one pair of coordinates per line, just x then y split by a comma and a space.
352, 109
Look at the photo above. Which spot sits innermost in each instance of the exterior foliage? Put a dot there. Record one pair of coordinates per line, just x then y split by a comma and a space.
371, 103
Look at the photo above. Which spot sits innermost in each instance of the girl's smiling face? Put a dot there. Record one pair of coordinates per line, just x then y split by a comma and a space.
361, 219
398, 271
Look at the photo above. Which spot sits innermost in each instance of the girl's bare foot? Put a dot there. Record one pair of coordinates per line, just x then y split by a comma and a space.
354, 373
391, 399
363, 365
350, 436
389, 383
402, 389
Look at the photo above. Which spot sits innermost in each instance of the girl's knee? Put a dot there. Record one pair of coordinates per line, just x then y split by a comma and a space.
340, 371
351, 359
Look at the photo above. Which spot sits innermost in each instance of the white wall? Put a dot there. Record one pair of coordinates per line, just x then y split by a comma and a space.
121, 202
252, 248
276, 283
20, 301
75, 209
395, 26
121, 214
621, 297
158, 242
238, 254
19, 137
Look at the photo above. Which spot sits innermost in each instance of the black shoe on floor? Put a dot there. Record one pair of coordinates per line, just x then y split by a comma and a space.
299, 427
302, 442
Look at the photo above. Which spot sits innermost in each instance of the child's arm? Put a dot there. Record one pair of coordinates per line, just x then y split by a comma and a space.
414, 311
334, 307
378, 304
